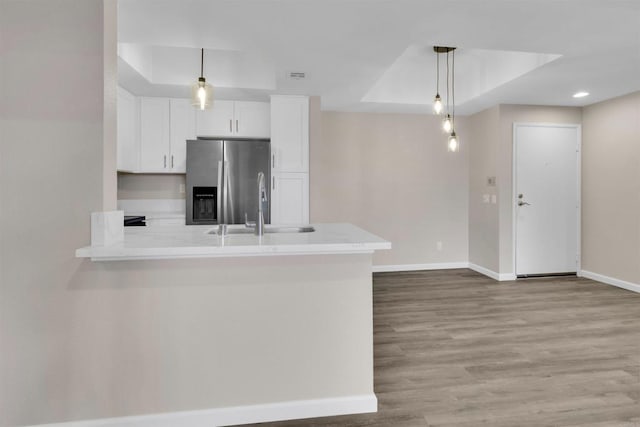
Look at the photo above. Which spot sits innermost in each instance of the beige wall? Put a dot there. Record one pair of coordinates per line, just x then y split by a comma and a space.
484, 226
109, 118
391, 174
51, 178
611, 188
150, 186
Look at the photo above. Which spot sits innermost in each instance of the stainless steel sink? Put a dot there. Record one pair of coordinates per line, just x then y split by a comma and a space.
285, 229
267, 229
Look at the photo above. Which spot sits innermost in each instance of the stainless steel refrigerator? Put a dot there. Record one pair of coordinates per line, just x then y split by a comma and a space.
222, 180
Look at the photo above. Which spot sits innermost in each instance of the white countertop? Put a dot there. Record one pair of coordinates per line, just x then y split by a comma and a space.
193, 241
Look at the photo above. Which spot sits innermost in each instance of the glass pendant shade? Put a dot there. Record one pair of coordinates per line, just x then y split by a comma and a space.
447, 125
437, 104
454, 144
201, 94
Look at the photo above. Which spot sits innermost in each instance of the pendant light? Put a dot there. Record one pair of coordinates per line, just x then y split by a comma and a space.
448, 124
454, 143
201, 92
437, 103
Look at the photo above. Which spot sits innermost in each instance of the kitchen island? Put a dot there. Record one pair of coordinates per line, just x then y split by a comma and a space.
240, 328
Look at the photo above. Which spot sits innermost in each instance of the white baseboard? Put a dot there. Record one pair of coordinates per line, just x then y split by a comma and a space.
418, 267
490, 273
610, 280
230, 416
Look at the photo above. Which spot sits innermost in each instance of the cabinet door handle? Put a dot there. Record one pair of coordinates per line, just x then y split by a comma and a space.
172, 161
274, 183
236, 125
230, 125
165, 161
273, 161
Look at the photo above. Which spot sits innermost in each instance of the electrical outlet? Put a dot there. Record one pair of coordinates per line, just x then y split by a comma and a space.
485, 198
181, 189
439, 246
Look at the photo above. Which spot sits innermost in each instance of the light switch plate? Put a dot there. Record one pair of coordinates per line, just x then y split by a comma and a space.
485, 198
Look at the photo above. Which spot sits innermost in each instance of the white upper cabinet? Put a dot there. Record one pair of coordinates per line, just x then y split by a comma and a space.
290, 133
183, 127
154, 135
252, 119
215, 121
152, 132
235, 119
165, 126
127, 131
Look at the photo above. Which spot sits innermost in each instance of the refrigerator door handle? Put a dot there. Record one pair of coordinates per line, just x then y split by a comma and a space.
219, 193
229, 214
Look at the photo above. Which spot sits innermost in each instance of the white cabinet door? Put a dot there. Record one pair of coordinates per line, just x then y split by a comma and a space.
290, 198
127, 148
154, 135
251, 119
217, 120
183, 127
290, 133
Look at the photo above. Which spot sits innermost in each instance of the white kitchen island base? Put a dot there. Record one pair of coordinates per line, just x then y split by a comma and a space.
234, 340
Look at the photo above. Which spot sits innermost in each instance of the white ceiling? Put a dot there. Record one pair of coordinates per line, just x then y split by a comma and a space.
375, 55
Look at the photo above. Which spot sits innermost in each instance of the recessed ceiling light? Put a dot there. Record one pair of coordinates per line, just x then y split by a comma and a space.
580, 94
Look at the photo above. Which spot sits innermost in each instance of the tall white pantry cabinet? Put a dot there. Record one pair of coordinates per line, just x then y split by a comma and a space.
289, 159
152, 132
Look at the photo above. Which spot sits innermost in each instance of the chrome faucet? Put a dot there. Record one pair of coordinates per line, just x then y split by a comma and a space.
262, 199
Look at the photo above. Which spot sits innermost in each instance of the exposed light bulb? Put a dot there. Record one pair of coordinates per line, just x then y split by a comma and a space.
447, 125
454, 144
202, 96
437, 104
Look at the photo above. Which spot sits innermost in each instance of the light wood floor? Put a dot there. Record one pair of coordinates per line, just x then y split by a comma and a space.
454, 348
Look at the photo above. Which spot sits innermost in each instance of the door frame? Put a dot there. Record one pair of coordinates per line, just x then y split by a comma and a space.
514, 188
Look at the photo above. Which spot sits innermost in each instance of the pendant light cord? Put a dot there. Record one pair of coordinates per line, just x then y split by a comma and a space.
437, 72
447, 82
453, 88
202, 62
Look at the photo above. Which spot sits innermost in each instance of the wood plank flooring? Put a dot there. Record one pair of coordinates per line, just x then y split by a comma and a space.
454, 348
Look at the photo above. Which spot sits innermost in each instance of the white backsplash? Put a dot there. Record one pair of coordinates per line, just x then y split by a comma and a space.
151, 207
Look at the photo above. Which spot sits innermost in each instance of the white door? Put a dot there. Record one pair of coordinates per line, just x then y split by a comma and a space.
546, 198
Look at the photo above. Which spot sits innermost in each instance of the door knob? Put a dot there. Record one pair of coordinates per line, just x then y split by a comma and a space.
521, 203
